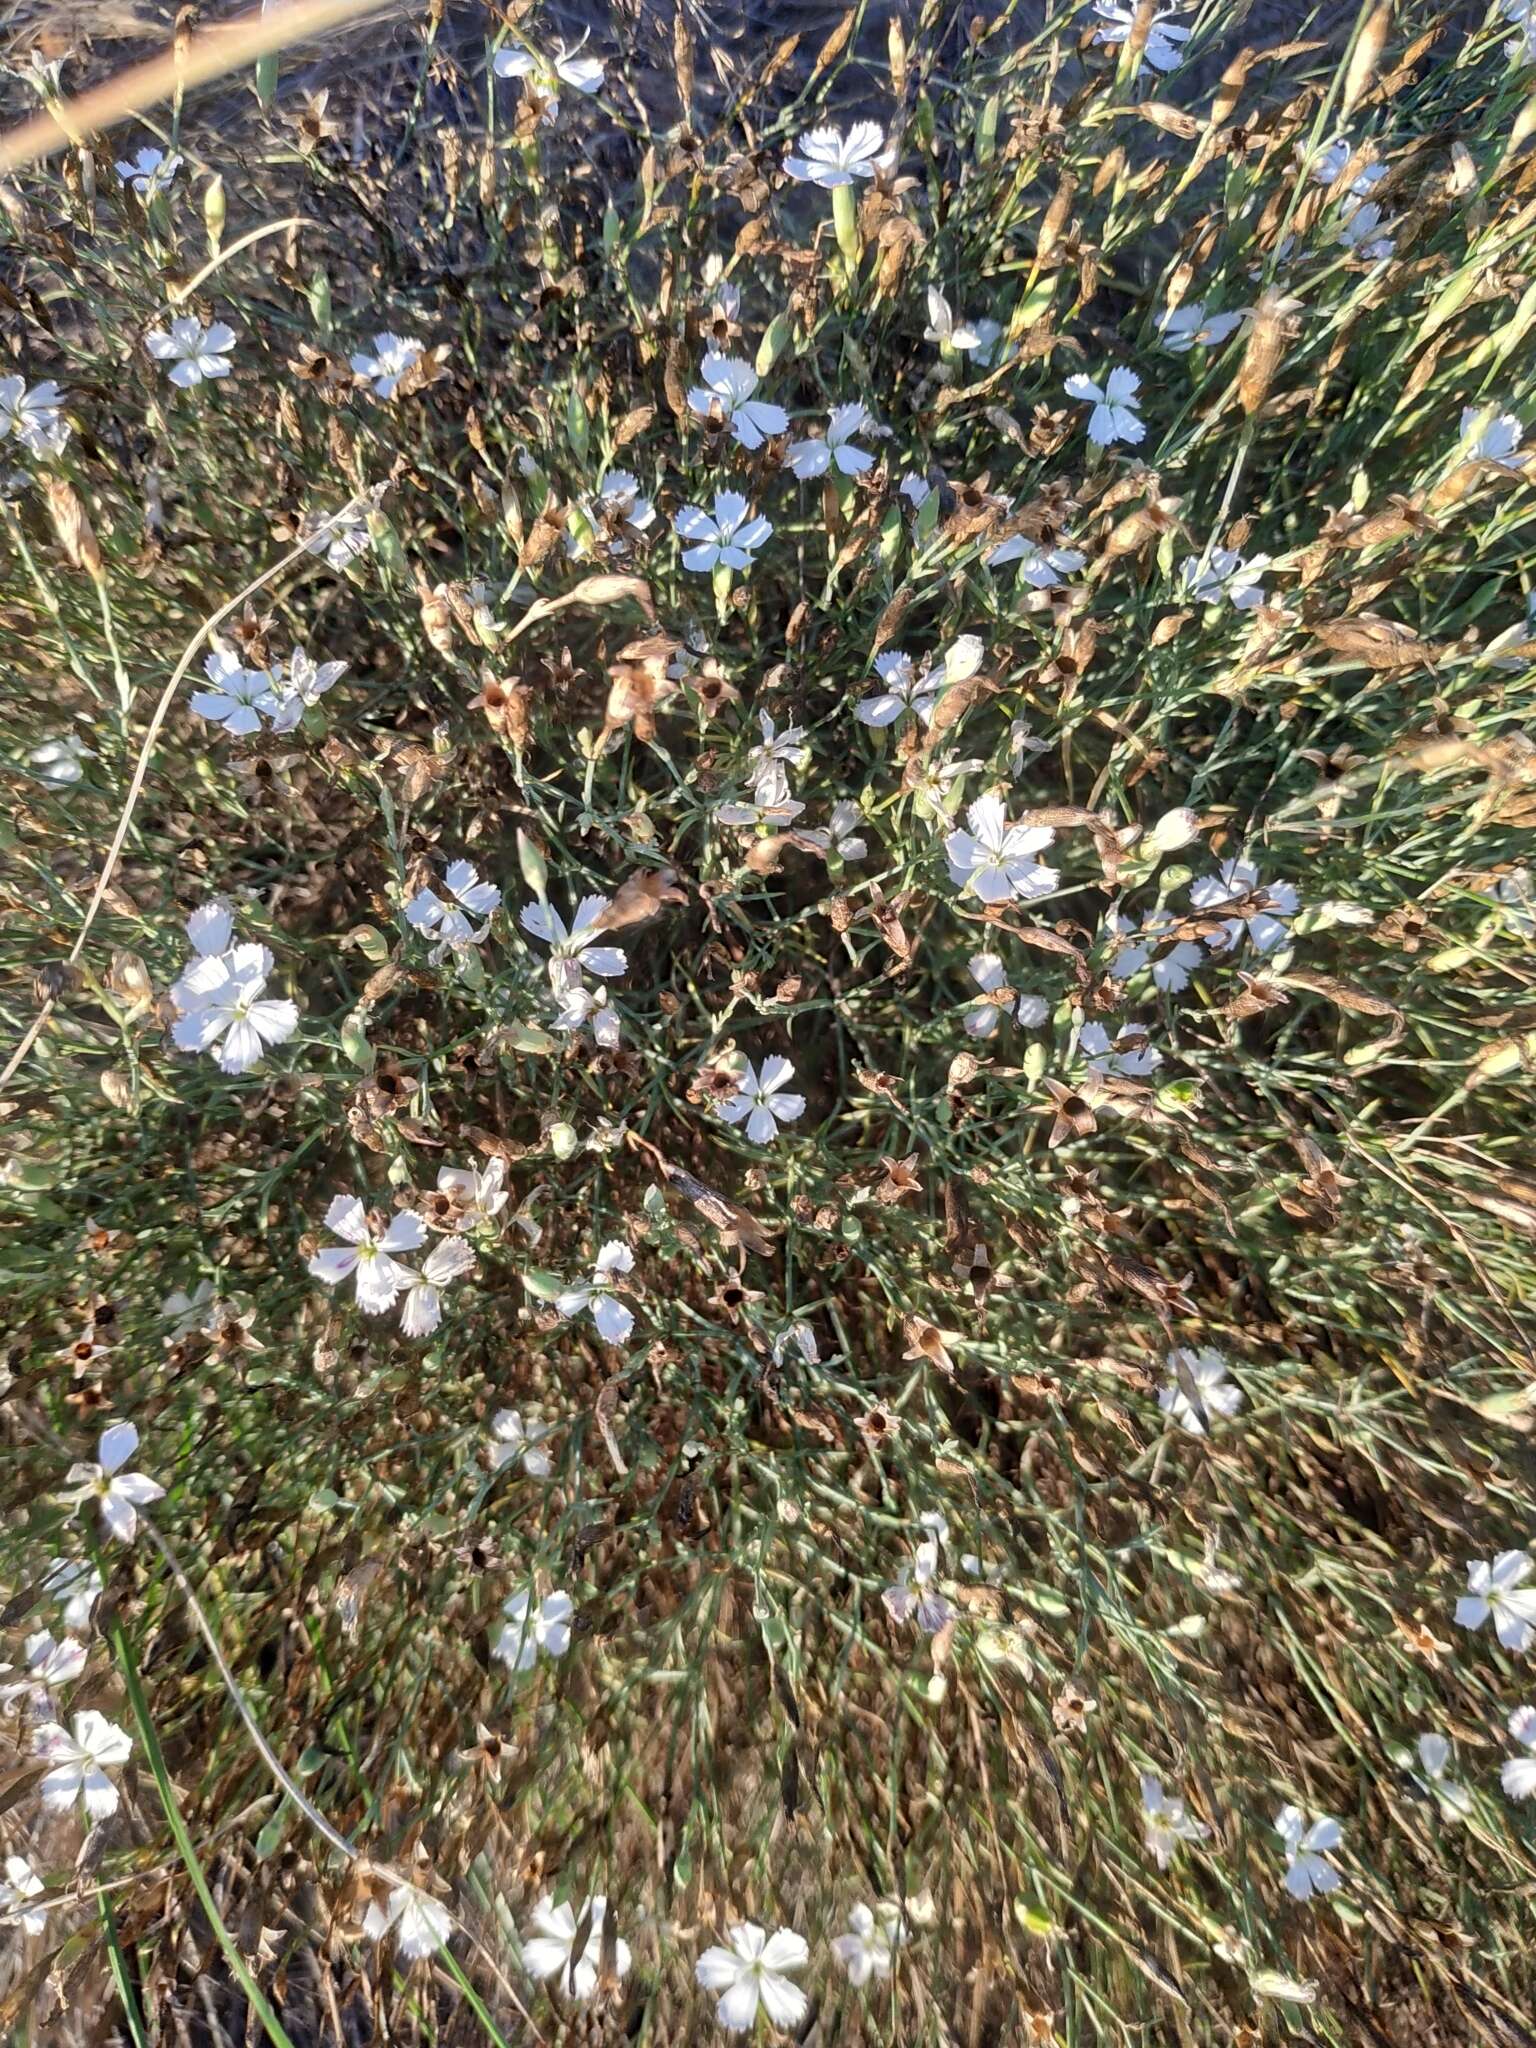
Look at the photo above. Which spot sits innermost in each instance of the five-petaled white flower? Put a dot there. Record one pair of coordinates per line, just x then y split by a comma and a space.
195, 350
515, 1442
727, 538
760, 1101
1226, 574
962, 335
1130, 1053
295, 687
1305, 1847
530, 1628
150, 173
1114, 416
1167, 1821
370, 1254
1182, 328
80, 1758
614, 1321
20, 1884
449, 1259
547, 74
904, 690
1163, 49
31, 414
995, 861
830, 158
620, 511
1268, 908
575, 943
452, 923
816, 457
726, 389
1206, 1372
1172, 960
420, 1924
1488, 435
51, 1661
119, 1494
393, 355
1043, 567
754, 1971
991, 977
1518, 1776
477, 1196
340, 537
914, 1594
237, 695
550, 1950
869, 1948
221, 995
1498, 1588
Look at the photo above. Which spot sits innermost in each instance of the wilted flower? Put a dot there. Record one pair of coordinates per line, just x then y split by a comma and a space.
1166, 1820
990, 976
1163, 45
869, 1948
1305, 1871
451, 923
620, 511
1518, 1776
754, 1971
547, 74
830, 158
31, 415
1129, 1053
150, 173
760, 1102
21, 1883
530, 1628
1206, 1370
515, 1442
420, 1924
381, 1279
1172, 961
550, 1951
995, 861
1189, 326
943, 328
815, 457
1224, 574
475, 1195
119, 1494
728, 386
914, 1596
195, 350
1434, 1756
1488, 435
393, 355
1114, 416
80, 1759
726, 539
614, 1321
1330, 164
1265, 919
1498, 1588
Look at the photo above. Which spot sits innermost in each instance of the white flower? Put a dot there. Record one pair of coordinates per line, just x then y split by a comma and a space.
1162, 50
754, 1971
197, 351
727, 538
915, 489
841, 834
515, 1442
31, 414
51, 1661
1206, 1370
869, 1949
1521, 49
1190, 326
1518, 1776
729, 384
150, 173
81, 1759
543, 921
340, 539
225, 1009
381, 1279
478, 1197
419, 1923
1128, 1053
1266, 920
21, 1883
1358, 232
1305, 1871
58, 761
620, 510
1434, 1755
1166, 1820
760, 1102
1114, 416
548, 74
1330, 164
580, 1007
235, 699
449, 1259
1225, 575
76, 1587
904, 691
994, 860
775, 753
815, 458
830, 158
119, 1493
771, 803
1040, 566
990, 976
948, 332
393, 355
913, 1596
295, 688
529, 1629
452, 922
1172, 964
1498, 1588
614, 1321
1488, 435
549, 1945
